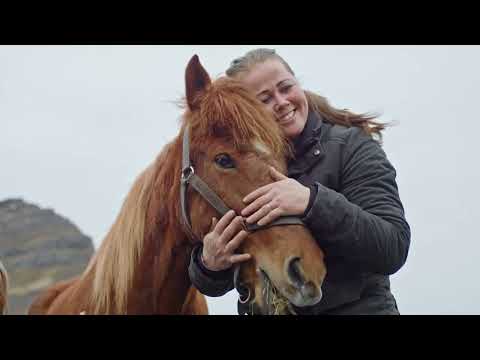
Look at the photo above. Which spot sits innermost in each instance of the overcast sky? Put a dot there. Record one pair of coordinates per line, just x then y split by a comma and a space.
79, 123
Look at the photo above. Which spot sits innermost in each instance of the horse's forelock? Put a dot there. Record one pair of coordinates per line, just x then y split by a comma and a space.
229, 110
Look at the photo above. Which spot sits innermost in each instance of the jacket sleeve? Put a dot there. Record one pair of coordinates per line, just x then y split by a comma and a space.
364, 222
210, 283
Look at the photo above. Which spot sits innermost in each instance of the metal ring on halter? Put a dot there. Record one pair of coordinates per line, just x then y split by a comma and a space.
241, 288
187, 173
247, 300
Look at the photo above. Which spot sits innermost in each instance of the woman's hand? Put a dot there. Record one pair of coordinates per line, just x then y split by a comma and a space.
220, 243
285, 196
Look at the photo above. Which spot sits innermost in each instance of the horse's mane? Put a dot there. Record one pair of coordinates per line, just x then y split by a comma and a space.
227, 111
121, 249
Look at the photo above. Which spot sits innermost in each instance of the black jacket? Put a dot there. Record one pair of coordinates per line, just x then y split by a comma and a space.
355, 215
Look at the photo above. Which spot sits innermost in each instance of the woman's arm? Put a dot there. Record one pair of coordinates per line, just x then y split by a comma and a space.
365, 222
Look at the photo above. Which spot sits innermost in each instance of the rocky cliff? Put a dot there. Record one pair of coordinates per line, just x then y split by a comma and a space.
38, 247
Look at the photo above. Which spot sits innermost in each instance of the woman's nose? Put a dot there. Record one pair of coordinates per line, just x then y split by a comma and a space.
280, 102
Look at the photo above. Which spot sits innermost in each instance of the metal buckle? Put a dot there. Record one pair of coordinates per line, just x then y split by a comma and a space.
187, 173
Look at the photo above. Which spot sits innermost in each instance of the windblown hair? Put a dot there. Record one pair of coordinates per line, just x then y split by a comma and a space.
316, 102
3, 289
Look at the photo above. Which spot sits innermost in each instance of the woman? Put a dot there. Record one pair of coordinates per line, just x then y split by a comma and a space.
339, 181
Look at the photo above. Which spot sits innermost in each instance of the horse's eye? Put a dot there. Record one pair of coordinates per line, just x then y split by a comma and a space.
224, 161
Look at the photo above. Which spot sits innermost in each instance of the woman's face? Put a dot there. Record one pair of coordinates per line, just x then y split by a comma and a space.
280, 92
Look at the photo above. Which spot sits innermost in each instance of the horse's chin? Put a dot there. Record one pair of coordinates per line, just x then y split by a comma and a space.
273, 301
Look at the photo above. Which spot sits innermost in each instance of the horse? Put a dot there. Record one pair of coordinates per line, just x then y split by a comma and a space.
3, 289
227, 141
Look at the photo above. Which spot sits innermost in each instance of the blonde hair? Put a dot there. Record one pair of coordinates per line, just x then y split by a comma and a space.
316, 103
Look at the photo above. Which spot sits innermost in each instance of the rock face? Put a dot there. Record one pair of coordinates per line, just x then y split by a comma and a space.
38, 248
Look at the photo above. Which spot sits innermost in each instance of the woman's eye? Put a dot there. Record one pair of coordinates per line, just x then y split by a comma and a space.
224, 161
286, 88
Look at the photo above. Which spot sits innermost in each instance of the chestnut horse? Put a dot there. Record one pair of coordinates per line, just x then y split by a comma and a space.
141, 266
3, 289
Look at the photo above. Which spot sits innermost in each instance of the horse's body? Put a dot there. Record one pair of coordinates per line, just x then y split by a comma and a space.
142, 265
3, 289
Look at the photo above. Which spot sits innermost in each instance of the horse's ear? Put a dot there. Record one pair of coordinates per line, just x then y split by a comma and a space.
196, 81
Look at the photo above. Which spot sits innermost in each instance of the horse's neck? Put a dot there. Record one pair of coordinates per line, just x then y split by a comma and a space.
161, 282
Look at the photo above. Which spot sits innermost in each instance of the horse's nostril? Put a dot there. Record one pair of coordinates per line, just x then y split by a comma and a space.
306, 293
295, 272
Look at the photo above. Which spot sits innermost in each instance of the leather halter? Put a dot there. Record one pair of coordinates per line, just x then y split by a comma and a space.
188, 177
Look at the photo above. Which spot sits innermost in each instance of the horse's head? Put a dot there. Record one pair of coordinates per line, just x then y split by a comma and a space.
233, 141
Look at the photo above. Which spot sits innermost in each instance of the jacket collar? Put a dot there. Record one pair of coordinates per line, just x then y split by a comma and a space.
309, 134
307, 146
